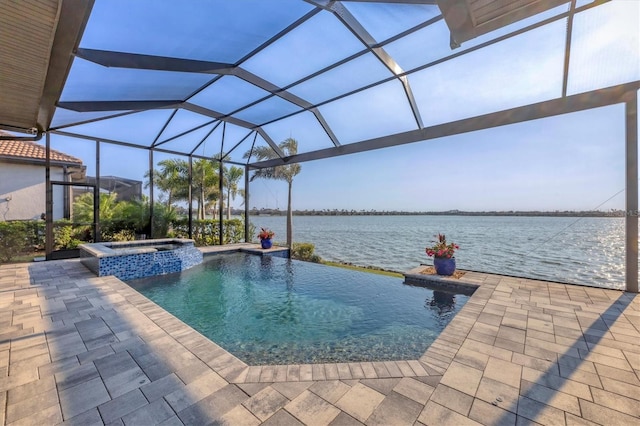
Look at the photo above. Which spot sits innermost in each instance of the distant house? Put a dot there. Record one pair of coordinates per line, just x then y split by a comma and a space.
125, 189
22, 180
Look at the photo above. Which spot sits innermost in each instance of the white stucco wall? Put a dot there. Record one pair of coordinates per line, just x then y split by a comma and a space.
22, 191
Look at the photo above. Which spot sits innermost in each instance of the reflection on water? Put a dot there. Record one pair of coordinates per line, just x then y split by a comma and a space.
442, 302
442, 306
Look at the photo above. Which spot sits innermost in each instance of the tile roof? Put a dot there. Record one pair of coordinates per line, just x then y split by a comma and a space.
25, 150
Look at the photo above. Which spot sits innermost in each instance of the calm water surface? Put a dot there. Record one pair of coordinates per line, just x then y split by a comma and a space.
572, 250
268, 310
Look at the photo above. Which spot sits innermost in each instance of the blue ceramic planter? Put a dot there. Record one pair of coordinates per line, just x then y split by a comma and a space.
444, 266
266, 243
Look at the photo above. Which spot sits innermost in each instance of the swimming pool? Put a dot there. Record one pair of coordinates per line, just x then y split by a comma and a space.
269, 310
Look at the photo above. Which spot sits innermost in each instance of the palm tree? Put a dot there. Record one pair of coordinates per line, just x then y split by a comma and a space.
231, 177
290, 147
172, 178
83, 207
205, 185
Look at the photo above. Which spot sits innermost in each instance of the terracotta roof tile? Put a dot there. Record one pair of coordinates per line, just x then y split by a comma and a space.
25, 150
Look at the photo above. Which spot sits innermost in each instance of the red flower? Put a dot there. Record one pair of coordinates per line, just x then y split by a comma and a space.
441, 248
265, 234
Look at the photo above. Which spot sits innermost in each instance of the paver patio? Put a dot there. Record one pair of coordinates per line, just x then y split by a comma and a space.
81, 349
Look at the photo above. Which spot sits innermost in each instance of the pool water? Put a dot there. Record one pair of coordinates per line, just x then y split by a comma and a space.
269, 310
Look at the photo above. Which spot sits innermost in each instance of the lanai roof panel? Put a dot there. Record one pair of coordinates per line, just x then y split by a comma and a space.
385, 20
318, 42
180, 122
606, 47
268, 110
92, 82
501, 76
379, 111
190, 141
139, 128
303, 127
431, 44
259, 62
228, 94
66, 117
352, 75
210, 30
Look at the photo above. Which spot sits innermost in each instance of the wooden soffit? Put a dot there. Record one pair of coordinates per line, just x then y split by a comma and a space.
468, 19
37, 39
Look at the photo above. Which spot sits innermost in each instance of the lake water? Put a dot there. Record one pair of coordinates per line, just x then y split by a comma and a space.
571, 250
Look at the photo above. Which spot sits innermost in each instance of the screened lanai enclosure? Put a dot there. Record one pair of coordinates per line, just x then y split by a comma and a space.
167, 103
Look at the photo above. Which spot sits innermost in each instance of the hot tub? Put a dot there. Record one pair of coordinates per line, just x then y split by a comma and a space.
128, 260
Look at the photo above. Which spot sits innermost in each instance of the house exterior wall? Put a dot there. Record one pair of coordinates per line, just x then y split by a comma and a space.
23, 192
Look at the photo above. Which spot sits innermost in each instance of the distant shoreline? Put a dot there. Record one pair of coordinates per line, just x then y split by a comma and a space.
586, 213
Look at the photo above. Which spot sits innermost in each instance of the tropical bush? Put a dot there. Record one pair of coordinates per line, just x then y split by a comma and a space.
23, 237
66, 237
123, 235
123, 220
115, 216
13, 240
119, 221
305, 251
35, 231
163, 218
206, 232
20, 237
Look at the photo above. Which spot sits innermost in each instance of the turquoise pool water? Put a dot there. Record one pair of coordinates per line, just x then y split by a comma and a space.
268, 310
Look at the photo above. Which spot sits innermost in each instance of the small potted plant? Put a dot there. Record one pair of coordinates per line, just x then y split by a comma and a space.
443, 260
265, 236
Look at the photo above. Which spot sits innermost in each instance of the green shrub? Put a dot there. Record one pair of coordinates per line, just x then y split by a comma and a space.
67, 236
14, 239
163, 217
123, 235
304, 251
206, 232
35, 233
62, 235
234, 231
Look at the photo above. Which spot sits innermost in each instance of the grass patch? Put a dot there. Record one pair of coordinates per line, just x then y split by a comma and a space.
363, 269
24, 258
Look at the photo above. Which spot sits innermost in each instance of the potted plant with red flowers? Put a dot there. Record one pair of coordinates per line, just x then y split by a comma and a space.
443, 260
265, 236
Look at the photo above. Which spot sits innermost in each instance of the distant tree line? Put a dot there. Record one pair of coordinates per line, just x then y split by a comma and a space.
344, 212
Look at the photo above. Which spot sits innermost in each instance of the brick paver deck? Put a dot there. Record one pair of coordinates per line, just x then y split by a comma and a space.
79, 349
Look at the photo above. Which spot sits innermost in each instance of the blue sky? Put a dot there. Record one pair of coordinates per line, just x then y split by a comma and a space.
572, 162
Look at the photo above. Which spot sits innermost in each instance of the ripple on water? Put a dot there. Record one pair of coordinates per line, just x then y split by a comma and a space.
570, 250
